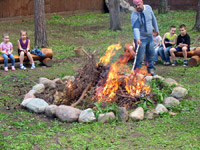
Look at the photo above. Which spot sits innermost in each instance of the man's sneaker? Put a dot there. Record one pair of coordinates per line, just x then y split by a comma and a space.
167, 63
164, 63
185, 63
174, 63
151, 71
22, 67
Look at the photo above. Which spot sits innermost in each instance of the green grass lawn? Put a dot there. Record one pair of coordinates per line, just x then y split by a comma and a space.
21, 129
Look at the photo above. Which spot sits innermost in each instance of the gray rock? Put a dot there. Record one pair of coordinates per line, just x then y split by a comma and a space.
158, 77
58, 81
123, 114
104, 118
37, 105
30, 94
148, 78
170, 81
150, 114
67, 113
137, 114
26, 101
179, 92
171, 101
39, 88
47, 83
161, 108
87, 116
68, 78
50, 110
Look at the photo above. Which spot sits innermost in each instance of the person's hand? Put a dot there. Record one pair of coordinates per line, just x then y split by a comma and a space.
164, 48
139, 42
9, 53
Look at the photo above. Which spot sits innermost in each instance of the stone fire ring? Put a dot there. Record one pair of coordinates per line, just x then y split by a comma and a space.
70, 114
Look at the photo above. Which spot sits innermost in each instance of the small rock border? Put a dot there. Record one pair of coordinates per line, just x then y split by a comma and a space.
70, 114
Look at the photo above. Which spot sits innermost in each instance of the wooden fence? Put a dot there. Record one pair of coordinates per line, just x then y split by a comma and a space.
14, 8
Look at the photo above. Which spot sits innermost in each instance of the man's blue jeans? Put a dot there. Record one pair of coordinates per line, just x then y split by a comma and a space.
6, 59
147, 47
164, 54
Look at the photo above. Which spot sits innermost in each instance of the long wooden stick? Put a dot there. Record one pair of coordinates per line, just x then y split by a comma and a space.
135, 57
82, 95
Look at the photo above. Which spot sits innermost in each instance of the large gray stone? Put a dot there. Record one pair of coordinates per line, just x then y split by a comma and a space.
137, 114
37, 105
30, 94
68, 78
179, 92
150, 114
58, 81
170, 81
50, 110
148, 78
104, 118
158, 77
123, 114
26, 101
67, 113
38, 88
87, 116
47, 83
171, 101
160, 108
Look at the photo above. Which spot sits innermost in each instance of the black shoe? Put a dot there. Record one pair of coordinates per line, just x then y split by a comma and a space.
151, 71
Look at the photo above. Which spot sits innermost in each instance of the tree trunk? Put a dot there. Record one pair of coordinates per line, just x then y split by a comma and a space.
197, 24
40, 24
163, 7
114, 10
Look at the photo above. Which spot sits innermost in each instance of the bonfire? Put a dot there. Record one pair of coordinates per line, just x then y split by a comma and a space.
103, 82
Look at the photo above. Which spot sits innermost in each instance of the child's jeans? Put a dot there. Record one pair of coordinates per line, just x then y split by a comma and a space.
6, 59
156, 54
164, 54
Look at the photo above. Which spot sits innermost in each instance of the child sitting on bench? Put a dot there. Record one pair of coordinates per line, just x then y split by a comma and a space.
183, 44
23, 50
6, 49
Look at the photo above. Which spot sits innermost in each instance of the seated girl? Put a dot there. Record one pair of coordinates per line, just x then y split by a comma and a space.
24, 50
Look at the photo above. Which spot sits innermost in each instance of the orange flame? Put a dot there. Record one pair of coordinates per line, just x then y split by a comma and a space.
135, 85
69, 84
109, 53
111, 85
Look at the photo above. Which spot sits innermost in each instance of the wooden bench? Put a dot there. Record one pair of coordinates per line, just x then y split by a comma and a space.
194, 55
47, 60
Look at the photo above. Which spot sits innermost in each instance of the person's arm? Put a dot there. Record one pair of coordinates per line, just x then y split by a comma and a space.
29, 44
175, 41
187, 42
1, 50
11, 50
163, 41
135, 27
157, 44
154, 22
19, 46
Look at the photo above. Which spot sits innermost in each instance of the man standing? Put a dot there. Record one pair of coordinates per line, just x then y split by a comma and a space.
143, 22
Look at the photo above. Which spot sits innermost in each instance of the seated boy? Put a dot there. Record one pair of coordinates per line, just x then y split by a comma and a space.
183, 44
168, 41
